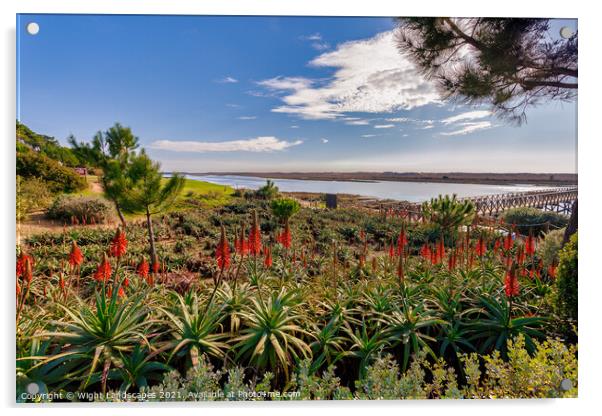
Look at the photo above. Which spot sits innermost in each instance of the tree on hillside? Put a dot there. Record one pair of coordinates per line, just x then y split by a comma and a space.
143, 191
111, 151
510, 64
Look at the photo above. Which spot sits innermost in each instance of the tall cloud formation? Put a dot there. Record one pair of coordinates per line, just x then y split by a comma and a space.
371, 76
258, 144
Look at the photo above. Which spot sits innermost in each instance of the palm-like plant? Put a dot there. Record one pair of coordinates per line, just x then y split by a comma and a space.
137, 369
195, 329
98, 335
409, 326
492, 325
365, 346
272, 336
328, 343
449, 212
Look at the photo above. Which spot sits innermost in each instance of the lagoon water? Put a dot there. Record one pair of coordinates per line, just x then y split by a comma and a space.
403, 191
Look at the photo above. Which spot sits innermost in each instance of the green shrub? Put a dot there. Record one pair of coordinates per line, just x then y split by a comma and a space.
267, 191
83, 209
550, 246
567, 281
32, 195
57, 178
534, 220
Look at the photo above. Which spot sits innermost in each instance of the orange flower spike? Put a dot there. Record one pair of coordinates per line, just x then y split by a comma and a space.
255, 236
222, 253
119, 243
103, 271
143, 268
75, 255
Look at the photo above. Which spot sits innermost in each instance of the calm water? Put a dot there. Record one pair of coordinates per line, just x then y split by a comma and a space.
403, 191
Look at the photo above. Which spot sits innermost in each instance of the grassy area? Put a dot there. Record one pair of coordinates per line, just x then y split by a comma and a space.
198, 193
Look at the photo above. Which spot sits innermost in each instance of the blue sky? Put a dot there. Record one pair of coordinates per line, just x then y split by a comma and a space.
269, 94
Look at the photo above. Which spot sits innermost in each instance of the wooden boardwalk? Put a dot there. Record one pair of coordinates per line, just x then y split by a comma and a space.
552, 199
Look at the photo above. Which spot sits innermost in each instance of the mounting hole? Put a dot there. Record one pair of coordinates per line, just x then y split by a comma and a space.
33, 28
566, 32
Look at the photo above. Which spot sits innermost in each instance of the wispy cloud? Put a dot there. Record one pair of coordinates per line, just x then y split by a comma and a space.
314, 36
247, 117
320, 46
470, 115
323, 140
371, 76
367, 136
384, 126
258, 144
294, 127
469, 127
227, 80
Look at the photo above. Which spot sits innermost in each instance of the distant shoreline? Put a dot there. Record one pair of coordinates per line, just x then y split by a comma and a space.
550, 179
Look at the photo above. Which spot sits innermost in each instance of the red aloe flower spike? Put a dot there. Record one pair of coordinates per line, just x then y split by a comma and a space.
530, 245
511, 282
119, 243
143, 268
496, 247
103, 272
255, 236
520, 256
401, 241
22, 262
481, 247
267, 261
425, 252
552, 271
222, 253
285, 238
75, 256
391, 251
242, 248
508, 242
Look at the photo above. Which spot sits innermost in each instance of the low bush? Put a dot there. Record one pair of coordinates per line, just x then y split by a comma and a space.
566, 297
534, 220
83, 210
550, 246
32, 195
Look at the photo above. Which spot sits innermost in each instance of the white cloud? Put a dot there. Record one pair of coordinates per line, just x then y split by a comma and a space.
470, 115
247, 117
384, 126
370, 76
258, 144
399, 119
320, 46
367, 136
324, 140
227, 80
358, 122
469, 127
294, 127
315, 36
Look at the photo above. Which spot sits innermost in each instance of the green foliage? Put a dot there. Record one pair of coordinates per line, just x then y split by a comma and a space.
534, 220
284, 208
550, 246
448, 212
44, 145
57, 178
267, 191
567, 280
513, 62
96, 336
32, 195
271, 337
84, 209
142, 189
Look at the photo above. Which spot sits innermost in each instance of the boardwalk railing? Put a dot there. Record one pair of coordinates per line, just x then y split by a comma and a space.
552, 199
